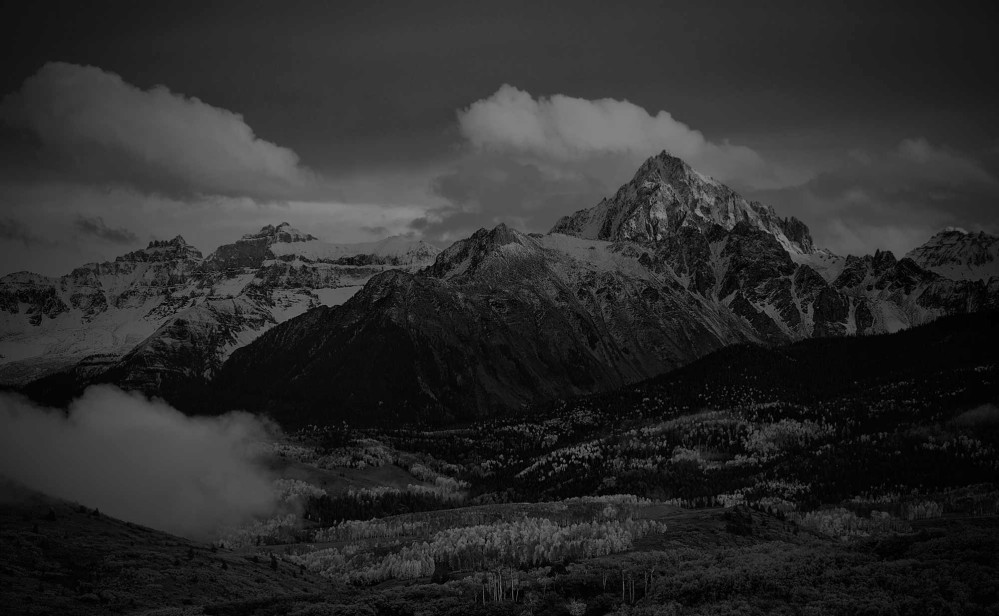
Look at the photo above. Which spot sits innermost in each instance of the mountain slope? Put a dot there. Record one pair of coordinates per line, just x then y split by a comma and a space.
105, 308
667, 195
765, 268
63, 558
850, 420
955, 253
674, 266
156, 314
501, 320
671, 268
814, 369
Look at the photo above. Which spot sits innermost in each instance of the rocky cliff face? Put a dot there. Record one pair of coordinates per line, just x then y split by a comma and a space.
665, 196
148, 313
501, 320
765, 268
955, 253
253, 249
100, 308
672, 267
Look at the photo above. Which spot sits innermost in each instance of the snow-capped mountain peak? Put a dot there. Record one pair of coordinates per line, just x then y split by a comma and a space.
666, 196
673, 266
958, 254
394, 250
499, 246
283, 232
253, 249
164, 250
168, 297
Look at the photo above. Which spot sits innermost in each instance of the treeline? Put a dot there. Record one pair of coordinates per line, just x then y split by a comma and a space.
529, 542
330, 509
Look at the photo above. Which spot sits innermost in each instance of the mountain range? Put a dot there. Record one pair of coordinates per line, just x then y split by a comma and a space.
168, 313
671, 267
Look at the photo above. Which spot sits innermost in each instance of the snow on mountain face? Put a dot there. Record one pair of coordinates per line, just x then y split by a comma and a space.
288, 244
956, 254
504, 319
164, 250
500, 320
665, 196
765, 268
253, 249
280, 233
674, 266
396, 250
48, 323
107, 309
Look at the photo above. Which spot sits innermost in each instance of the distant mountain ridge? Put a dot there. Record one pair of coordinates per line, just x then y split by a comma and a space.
672, 267
501, 320
956, 253
763, 267
168, 301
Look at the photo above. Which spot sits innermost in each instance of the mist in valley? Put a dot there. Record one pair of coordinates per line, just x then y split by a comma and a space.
140, 460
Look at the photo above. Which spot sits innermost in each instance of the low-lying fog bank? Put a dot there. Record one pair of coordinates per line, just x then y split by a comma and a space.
140, 460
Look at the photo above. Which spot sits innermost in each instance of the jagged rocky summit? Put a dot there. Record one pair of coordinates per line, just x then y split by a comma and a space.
956, 253
166, 313
672, 267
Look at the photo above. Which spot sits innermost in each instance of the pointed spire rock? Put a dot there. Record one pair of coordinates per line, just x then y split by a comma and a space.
665, 196
164, 250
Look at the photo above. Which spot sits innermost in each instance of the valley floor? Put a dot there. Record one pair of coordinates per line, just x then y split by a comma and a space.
828, 477
61, 559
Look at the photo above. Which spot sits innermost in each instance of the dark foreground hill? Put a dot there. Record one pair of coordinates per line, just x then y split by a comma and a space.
811, 370
892, 420
317, 367
63, 558
58, 558
859, 476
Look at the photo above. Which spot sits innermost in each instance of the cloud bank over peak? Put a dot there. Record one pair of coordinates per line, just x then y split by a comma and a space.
567, 128
528, 160
96, 227
100, 127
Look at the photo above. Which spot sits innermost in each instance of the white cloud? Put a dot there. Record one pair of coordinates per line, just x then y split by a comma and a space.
565, 128
529, 160
108, 129
139, 460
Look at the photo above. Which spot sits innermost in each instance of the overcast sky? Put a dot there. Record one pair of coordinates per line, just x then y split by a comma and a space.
124, 122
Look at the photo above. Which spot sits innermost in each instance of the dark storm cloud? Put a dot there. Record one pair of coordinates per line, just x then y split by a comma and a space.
353, 84
362, 89
485, 189
96, 227
101, 128
894, 199
16, 231
375, 229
